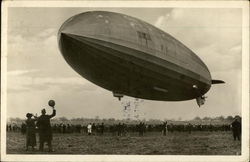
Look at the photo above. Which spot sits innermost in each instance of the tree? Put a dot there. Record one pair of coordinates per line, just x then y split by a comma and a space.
206, 118
230, 118
197, 118
63, 119
221, 118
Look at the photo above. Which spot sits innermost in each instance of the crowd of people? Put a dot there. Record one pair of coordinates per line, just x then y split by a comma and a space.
100, 128
122, 129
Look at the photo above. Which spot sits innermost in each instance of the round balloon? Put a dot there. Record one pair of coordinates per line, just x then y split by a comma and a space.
51, 103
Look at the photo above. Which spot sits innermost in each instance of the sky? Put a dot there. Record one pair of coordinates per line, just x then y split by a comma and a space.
37, 72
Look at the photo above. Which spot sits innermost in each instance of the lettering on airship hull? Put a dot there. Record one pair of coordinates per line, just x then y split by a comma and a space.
126, 55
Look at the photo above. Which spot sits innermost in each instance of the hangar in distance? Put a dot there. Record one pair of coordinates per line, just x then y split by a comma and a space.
128, 56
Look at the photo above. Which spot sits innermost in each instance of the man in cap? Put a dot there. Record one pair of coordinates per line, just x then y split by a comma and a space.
45, 131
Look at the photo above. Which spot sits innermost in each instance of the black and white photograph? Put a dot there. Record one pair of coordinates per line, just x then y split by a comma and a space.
125, 81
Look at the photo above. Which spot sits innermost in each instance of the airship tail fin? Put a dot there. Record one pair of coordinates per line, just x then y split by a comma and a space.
217, 81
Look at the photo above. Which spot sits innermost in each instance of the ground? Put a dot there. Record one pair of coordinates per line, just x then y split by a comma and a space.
177, 143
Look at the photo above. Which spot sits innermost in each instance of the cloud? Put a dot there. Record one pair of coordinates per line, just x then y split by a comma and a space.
213, 34
35, 64
22, 83
218, 60
161, 19
20, 72
20, 45
47, 33
38, 52
16, 91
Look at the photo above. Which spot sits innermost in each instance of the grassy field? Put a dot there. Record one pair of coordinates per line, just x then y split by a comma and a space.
177, 143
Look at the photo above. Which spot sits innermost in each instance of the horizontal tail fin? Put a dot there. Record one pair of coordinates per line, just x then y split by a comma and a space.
217, 81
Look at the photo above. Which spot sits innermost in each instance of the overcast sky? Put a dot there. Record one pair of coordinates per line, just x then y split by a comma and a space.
37, 71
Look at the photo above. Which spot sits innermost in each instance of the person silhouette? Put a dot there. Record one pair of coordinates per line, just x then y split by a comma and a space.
30, 131
44, 127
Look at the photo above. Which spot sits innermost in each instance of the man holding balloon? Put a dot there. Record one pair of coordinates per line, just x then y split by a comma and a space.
44, 127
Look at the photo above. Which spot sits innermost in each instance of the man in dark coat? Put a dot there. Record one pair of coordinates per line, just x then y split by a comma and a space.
45, 131
236, 128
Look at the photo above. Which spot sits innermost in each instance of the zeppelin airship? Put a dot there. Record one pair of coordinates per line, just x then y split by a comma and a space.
128, 56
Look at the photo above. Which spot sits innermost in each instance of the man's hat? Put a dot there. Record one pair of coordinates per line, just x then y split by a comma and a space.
28, 115
51, 103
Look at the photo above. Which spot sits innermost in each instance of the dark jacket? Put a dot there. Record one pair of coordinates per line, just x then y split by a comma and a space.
44, 127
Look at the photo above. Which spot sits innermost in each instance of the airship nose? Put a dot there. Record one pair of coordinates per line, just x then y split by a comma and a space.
70, 29
80, 25
75, 28
74, 43
64, 29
